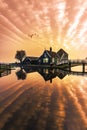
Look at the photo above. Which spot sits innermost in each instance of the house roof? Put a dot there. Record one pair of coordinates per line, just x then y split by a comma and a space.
60, 52
52, 53
31, 58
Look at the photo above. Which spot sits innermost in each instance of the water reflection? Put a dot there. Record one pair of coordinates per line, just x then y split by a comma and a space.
46, 73
5, 72
33, 104
21, 74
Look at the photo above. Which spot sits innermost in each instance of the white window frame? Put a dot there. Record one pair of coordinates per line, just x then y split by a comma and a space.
45, 60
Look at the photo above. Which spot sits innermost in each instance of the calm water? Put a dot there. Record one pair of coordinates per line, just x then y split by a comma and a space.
36, 104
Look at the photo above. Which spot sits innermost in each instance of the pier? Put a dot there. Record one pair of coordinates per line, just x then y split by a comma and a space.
72, 63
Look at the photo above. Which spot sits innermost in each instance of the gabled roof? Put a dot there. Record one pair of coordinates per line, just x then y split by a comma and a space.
52, 53
31, 58
61, 52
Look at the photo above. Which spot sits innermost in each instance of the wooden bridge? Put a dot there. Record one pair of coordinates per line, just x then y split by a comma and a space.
71, 63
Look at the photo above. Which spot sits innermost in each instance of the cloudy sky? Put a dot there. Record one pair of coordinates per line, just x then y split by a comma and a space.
55, 23
35, 25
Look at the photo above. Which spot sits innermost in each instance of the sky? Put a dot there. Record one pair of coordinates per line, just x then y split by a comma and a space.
36, 25
53, 23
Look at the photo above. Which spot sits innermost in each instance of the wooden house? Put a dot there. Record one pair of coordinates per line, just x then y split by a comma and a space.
30, 60
62, 55
48, 57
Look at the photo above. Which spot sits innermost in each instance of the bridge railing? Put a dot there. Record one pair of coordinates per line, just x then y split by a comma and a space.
78, 61
75, 61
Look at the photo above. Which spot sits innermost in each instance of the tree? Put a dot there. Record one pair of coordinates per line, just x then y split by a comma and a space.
20, 55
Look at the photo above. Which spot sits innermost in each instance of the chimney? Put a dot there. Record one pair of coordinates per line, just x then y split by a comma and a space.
50, 49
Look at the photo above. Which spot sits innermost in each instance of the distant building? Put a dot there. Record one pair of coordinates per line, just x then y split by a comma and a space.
30, 60
62, 55
34, 60
48, 57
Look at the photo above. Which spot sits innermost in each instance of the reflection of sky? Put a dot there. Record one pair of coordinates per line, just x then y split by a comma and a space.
63, 102
59, 23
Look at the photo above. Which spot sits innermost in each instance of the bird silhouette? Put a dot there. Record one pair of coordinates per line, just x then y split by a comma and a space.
31, 35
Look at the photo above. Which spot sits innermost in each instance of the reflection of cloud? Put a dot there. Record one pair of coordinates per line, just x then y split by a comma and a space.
60, 105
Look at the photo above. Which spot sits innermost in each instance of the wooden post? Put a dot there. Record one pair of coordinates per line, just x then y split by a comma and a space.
69, 66
83, 67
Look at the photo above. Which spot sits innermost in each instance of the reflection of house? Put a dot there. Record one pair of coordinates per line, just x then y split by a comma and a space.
30, 69
47, 74
62, 55
60, 73
48, 57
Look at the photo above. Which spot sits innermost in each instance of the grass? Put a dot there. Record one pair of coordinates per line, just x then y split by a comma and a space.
3, 68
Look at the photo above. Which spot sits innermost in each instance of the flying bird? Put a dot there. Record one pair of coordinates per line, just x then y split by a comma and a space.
31, 35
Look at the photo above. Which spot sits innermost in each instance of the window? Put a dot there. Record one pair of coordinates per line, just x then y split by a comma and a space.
53, 60
45, 60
